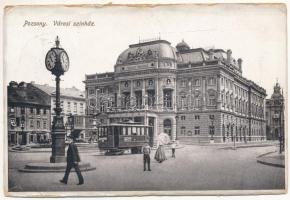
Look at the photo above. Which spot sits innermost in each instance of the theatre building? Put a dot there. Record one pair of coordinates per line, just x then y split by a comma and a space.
194, 95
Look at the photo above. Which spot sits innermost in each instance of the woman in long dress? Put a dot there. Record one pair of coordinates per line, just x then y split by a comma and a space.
160, 152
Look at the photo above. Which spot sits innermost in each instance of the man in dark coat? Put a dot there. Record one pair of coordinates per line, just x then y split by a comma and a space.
72, 160
146, 156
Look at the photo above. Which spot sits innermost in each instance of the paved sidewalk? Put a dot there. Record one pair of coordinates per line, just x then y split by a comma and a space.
274, 159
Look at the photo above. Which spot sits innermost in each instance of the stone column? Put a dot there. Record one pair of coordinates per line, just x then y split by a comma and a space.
219, 100
132, 94
119, 95
143, 93
174, 96
173, 128
203, 88
190, 95
157, 93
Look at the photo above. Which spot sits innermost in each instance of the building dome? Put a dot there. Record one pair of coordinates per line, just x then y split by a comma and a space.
182, 46
147, 51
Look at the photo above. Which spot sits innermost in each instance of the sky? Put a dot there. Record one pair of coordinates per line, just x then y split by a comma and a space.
255, 33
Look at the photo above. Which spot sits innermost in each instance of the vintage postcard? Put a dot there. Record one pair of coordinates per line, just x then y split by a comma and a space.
124, 100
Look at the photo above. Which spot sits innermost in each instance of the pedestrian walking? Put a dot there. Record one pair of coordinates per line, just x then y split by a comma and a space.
146, 156
72, 160
173, 147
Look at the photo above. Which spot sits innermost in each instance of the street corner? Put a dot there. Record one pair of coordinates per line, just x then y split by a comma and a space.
273, 158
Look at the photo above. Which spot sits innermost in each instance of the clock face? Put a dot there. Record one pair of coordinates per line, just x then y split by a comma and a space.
50, 60
64, 60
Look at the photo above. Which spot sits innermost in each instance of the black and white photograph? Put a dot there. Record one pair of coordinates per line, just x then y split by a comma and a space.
124, 100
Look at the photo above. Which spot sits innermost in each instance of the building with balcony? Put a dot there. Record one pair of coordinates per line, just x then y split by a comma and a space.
275, 114
72, 101
28, 114
194, 95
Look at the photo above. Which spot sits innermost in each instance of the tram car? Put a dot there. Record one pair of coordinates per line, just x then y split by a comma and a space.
117, 137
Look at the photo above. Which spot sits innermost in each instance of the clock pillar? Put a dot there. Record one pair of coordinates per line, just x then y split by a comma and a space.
57, 62
58, 130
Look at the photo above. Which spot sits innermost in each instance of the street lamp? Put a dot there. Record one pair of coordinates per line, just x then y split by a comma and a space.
234, 135
23, 136
57, 62
211, 128
176, 119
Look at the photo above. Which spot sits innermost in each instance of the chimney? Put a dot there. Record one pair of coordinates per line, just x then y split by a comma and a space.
229, 56
240, 62
210, 53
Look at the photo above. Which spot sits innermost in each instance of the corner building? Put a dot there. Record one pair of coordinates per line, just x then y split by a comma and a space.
194, 95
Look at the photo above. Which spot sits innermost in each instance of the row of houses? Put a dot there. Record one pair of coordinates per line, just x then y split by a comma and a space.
31, 111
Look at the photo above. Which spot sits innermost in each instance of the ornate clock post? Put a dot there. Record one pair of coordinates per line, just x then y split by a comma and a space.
57, 62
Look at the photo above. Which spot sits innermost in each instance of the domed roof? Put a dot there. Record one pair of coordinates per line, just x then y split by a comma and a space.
182, 46
147, 51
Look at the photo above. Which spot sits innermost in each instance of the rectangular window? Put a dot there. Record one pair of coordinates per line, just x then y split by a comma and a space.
22, 110
44, 111
75, 107
91, 91
167, 100
31, 123
68, 107
197, 102
196, 130
81, 108
196, 82
31, 110
211, 81
38, 124
182, 117
183, 83
17, 121
38, 111
183, 130
44, 124
12, 109
196, 117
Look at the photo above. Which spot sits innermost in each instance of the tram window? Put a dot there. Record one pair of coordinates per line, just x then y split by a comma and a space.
109, 130
133, 130
129, 129
141, 131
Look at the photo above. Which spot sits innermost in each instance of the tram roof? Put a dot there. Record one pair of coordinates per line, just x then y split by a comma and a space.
127, 124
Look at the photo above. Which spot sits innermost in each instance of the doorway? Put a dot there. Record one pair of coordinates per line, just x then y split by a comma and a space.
167, 127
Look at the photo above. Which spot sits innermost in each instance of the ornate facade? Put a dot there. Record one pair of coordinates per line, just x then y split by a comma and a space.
194, 95
275, 114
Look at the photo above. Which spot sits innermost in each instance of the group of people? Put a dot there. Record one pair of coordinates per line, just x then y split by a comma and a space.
73, 157
159, 154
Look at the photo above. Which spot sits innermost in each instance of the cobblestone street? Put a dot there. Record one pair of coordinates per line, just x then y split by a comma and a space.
195, 168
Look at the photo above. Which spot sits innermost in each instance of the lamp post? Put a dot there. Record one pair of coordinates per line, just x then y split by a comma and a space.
234, 136
211, 131
23, 136
280, 134
57, 62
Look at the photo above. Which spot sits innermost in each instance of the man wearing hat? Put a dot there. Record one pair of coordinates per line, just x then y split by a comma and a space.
72, 160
